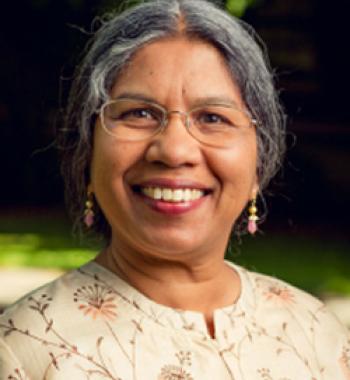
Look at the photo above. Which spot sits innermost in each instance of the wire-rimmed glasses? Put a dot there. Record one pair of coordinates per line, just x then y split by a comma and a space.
136, 120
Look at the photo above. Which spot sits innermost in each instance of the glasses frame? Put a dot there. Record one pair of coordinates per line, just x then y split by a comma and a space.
165, 117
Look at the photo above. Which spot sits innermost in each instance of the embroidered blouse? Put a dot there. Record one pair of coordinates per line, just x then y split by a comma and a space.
90, 324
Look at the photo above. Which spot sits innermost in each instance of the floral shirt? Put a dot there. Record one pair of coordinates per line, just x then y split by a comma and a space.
90, 324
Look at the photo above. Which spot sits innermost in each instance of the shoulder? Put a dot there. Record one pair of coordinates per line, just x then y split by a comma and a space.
281, 293
29, 313
56, 298
52, 317
50, 293
283, 320
285, 310
33, 313
24, 326
273, 294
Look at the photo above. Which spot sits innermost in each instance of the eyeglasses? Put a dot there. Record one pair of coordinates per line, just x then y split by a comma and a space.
136, 120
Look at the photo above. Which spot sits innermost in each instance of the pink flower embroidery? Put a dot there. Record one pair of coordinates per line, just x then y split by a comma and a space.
277, 293
97, 301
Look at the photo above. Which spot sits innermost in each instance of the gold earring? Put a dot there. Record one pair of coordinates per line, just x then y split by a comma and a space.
88, 212
252, 218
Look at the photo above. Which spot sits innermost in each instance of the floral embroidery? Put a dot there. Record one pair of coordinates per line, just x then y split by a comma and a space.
65, 350
278, 293
184, 358
97, 301
177, 372
113, 350
62, 349
173, 372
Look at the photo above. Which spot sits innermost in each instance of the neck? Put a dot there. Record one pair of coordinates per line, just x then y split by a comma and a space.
202, 284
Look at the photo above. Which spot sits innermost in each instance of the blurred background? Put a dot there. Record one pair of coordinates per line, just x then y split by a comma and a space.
305, 239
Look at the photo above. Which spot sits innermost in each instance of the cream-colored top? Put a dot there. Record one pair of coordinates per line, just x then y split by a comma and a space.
90, 324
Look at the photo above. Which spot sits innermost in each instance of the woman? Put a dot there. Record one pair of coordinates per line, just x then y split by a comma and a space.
172, 130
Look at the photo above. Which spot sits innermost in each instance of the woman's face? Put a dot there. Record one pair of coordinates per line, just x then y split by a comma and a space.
175, 73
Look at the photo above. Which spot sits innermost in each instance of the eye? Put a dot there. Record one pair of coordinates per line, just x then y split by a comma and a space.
138, 113
212, 118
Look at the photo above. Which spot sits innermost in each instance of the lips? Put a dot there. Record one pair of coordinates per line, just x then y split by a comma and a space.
171, 190
171, 196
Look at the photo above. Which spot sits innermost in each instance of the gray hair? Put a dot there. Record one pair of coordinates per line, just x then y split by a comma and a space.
113, 46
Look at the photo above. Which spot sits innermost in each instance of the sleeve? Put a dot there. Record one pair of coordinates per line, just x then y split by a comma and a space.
10, 368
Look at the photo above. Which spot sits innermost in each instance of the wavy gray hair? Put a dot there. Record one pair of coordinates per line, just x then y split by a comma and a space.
112, 47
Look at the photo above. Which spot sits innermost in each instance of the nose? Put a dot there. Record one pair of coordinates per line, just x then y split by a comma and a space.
174, 146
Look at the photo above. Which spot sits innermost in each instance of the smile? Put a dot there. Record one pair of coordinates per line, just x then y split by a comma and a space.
172, 195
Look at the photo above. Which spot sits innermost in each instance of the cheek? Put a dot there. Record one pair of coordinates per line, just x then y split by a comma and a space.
104, 166
235, 169
237, 166
111, 162
108, 163
107, 176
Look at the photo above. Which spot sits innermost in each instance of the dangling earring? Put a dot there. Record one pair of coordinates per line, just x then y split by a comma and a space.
89, 213
252, 218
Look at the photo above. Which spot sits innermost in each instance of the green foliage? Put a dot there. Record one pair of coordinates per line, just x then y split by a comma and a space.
317, 266
238, 7
43, 241
42, 251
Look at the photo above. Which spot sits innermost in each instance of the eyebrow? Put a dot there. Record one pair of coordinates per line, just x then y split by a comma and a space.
136, 96
225, 100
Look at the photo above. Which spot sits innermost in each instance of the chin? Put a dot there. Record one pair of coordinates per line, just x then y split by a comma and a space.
169, 245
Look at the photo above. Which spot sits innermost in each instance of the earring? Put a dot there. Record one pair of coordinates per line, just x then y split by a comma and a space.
88, 212
252, 218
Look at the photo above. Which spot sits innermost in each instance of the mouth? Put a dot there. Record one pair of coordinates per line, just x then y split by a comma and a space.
171, 195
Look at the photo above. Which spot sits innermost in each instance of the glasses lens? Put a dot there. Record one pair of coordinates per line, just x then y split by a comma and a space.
131, 119
218, 124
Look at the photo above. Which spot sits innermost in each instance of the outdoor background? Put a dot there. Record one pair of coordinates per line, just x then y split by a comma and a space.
305, 239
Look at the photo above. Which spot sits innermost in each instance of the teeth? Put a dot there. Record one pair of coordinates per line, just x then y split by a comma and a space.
155, 193
187, 194
172, 195
177, 195
167, 195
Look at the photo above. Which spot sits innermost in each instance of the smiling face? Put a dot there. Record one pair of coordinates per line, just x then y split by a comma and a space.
171, 196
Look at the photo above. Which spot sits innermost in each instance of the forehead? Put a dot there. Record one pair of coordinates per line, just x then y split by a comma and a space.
177, 66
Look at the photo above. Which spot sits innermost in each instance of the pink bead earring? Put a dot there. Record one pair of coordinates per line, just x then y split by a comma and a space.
88, 212
252, 218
